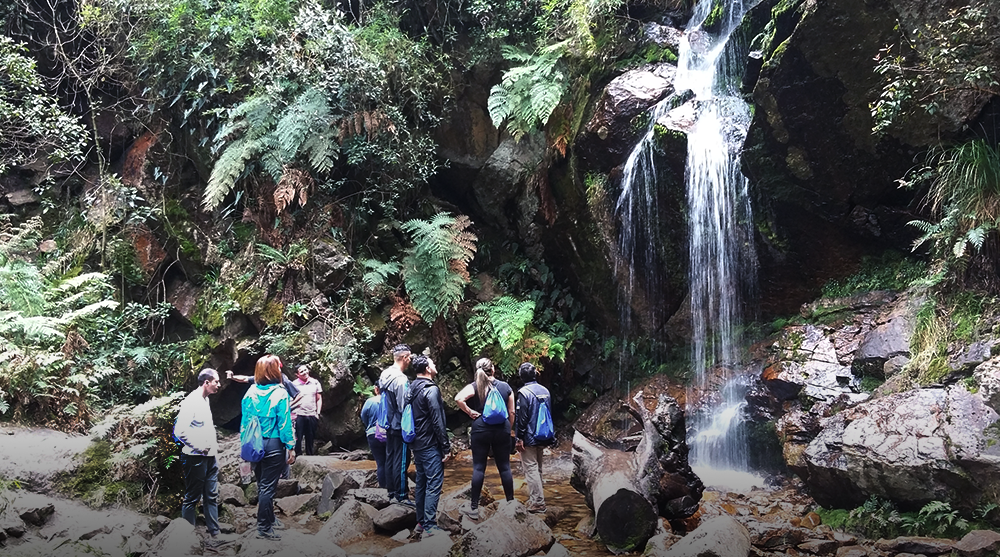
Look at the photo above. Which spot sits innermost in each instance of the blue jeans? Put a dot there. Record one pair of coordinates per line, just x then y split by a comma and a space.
267, 471
429, 481
201, 482
378, 453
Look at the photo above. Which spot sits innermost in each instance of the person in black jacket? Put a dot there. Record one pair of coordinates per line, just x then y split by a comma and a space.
431, 447
528, 398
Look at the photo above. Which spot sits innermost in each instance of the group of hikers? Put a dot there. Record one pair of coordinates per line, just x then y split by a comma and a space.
403, 417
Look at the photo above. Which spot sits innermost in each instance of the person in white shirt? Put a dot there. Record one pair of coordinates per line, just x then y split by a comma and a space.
308, 410
196, 430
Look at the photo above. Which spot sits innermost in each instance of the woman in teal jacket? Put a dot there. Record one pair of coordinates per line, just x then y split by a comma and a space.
267, 400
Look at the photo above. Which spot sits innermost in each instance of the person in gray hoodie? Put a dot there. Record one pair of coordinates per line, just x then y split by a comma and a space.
393, 383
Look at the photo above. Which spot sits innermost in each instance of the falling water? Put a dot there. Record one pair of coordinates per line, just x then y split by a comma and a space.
721, 255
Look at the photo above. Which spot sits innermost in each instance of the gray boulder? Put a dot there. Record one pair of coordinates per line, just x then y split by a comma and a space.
178, 538
913, 447
394, 518
978, 543
352, 521
511, 532
721, 536
805, 361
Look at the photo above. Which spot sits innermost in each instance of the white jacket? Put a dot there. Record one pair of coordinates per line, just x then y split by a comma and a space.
194, 426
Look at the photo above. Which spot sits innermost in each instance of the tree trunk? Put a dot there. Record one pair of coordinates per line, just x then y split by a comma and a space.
628, 488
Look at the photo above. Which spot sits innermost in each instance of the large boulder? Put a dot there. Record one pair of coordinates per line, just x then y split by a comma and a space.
351, 522
511, 532
805, 361
722, 536
621, 113
912, 447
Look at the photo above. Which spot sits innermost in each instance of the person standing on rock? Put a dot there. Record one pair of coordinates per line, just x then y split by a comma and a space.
195, 428
486, 436
393, 384
308, 411
528, 400
369, 415
431, 447
267, 400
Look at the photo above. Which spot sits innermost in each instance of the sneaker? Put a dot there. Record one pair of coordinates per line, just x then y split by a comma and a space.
434, 531
537, 509
268, 535
470, 512
408, 502
416, 533
278, 525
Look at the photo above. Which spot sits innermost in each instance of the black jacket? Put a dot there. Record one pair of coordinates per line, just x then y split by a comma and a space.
526, 413
428, 415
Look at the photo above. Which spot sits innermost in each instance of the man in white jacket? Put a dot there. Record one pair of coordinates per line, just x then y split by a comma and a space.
196, 430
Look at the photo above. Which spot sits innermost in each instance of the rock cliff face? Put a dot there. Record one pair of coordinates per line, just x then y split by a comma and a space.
825, 183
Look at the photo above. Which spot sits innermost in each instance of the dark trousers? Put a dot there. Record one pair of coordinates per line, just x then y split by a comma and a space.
429, 481
267, 472
396, 462
499, 441
305, 427
378, 453
201, 483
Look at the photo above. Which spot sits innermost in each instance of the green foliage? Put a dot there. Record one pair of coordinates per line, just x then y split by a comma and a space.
935, 63
333, 98
500, 322
876, 518
965, 192
528, 93
954, 318
377, 273
890, 271
936, 519
32, 124
434, 269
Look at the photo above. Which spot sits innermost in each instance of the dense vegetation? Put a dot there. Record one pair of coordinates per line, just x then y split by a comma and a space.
278, 158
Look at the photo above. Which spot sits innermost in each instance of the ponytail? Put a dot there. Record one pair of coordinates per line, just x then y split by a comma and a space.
484, 370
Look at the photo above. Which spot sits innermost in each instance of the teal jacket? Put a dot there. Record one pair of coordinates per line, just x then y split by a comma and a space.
270, 404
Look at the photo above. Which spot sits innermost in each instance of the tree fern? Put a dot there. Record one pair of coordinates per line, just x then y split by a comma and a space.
529, 93
434, 269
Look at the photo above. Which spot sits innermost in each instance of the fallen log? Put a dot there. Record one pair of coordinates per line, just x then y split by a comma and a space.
629, 484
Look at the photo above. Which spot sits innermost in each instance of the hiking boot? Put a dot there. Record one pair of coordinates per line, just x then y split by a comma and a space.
467, 510
408, 502
536, 509
268, 535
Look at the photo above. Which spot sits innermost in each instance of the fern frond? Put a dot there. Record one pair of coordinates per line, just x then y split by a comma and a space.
296, 121
378, 272
231, 164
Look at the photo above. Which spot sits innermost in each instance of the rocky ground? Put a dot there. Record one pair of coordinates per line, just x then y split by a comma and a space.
331, 509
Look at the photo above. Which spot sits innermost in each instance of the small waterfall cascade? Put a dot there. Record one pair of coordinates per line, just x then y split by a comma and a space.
636, 210
721, 255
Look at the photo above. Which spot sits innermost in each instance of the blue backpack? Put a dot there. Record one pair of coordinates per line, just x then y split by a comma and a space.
544, 430
495, 409
406, 423
381, 419
251, 438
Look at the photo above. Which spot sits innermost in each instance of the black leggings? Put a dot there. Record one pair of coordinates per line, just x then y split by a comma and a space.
482, 442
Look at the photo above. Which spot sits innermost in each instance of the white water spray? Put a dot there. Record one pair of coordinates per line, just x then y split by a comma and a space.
721, 254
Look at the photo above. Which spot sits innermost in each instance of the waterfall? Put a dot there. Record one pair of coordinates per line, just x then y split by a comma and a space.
721, 254
722, 260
